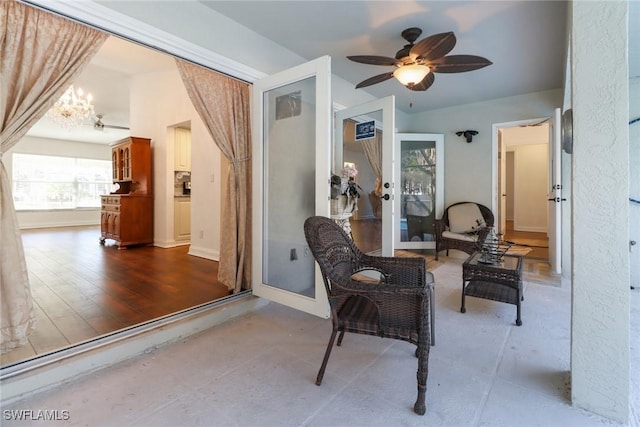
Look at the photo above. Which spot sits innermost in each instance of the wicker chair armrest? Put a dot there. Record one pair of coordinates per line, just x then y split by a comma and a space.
440, 227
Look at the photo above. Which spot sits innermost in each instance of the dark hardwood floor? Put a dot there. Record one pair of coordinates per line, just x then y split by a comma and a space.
82, 290
367, 234
537, 242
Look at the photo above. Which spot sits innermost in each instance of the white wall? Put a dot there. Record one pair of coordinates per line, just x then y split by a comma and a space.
159, 101
468, 165
531, 188
56, 147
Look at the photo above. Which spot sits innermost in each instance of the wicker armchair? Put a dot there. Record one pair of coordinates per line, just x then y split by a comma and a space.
398, 306
463, 241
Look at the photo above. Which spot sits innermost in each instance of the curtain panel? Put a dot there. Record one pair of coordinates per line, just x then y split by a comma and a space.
40, 57
223, 105
373, 152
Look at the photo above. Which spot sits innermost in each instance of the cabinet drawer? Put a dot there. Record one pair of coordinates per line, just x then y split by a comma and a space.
111, 208
110, 203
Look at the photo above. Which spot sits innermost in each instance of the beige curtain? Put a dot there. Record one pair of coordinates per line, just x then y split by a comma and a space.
373, 151
40, 56
223, 105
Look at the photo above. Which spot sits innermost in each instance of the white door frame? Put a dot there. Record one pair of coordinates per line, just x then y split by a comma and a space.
319, 68
495, 191
387, 106
438, 138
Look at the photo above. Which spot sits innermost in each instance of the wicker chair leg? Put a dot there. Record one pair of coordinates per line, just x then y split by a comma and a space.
432, 314
327, 353
423, 356
340, 339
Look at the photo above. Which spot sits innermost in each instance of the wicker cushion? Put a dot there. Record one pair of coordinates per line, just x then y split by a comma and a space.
465, 218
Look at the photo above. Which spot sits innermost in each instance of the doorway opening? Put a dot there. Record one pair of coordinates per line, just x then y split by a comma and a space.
522, 178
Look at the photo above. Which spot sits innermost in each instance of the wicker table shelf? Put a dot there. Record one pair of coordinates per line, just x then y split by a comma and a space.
501, 281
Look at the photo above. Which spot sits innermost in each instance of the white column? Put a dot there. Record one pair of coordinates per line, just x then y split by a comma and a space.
600, 209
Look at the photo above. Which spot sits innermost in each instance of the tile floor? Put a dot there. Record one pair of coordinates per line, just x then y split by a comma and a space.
259, 370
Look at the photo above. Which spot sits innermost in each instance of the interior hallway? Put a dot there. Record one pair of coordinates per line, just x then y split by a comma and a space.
260, 369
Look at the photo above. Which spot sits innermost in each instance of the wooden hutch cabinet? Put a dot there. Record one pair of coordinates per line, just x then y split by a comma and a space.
127, 214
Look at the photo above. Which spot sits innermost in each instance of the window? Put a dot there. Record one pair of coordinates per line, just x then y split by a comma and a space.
52, 182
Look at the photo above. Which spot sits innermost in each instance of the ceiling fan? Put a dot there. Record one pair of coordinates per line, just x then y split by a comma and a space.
416, 63
99, 125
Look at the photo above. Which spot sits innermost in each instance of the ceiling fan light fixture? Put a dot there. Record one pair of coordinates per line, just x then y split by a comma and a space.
410, 75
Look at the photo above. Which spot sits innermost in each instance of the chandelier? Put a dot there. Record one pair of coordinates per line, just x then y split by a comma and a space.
71, 109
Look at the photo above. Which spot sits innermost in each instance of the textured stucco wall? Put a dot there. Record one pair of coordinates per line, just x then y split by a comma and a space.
634, 178
600, 213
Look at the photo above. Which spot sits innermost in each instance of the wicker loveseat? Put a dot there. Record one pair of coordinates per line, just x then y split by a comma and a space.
397, 305
462, 225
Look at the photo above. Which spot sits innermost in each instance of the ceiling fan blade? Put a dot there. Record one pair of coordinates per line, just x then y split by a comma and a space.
424, 84
374, 60
458, 63
435, 46
117, 127
375, 79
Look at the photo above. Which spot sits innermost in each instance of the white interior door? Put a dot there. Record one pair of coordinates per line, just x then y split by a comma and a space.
555, 193
364, 124
291, 132
419, 192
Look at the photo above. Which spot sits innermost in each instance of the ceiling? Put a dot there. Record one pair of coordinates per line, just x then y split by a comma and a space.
524, 40
107, 78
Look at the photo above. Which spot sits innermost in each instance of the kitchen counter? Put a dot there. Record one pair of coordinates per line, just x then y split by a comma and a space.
181, 196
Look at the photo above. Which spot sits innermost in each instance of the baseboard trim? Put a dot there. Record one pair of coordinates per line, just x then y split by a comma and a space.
22, 380
204, 253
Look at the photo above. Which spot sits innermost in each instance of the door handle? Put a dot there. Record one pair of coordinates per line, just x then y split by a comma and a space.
385, 197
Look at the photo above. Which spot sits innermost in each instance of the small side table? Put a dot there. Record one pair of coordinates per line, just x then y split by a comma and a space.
498, 282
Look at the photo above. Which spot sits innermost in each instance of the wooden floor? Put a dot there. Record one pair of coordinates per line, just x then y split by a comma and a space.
82, 290
537, 242
367, 234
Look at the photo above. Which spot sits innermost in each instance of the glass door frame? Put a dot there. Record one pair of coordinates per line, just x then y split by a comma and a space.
439, 205
387, 106
319, 68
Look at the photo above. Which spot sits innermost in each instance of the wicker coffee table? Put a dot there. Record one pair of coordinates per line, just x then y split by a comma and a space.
501, 281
